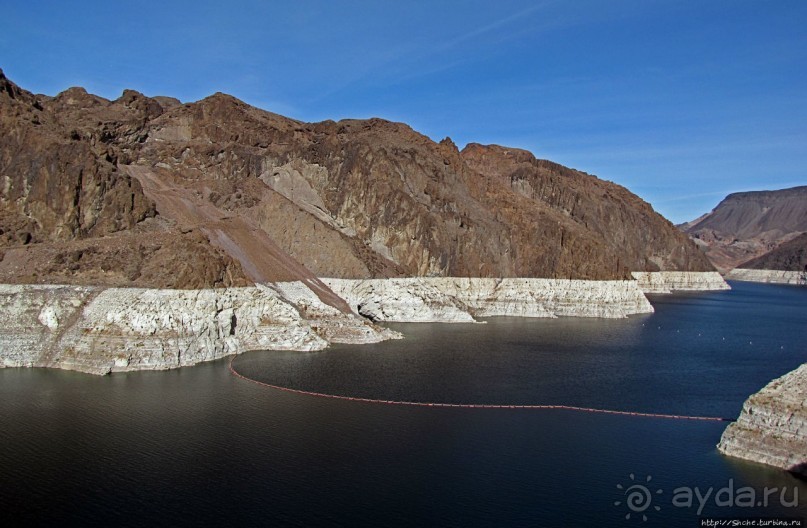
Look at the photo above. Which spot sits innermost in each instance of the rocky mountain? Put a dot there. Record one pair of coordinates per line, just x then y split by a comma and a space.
788, 256
749, 224
151, 192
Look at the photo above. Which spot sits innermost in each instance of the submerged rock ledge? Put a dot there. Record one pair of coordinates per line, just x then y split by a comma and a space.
100, 330
772, 427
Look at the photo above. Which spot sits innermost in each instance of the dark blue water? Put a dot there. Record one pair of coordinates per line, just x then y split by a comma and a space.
198, 447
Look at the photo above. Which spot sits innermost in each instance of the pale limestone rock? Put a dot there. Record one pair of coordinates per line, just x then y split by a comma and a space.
771, 276
668, 281
772, 427
291, 180
547, 297
328, 322
399, 300
447, 299
25, 335
48, 317
100, 330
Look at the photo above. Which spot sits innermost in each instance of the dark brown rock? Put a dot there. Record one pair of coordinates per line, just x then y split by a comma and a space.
788, 256
749, 224
63, 196
277, 199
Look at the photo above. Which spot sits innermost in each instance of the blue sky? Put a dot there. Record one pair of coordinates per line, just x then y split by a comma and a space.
681, 102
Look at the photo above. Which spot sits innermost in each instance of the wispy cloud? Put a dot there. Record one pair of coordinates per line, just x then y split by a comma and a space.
419, 53
493, 26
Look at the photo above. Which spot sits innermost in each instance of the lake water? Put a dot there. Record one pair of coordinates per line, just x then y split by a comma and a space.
198, 446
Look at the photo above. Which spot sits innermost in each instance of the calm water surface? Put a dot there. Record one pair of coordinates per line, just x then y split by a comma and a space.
199, 447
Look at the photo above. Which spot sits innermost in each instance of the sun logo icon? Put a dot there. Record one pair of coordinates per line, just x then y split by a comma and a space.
638, 497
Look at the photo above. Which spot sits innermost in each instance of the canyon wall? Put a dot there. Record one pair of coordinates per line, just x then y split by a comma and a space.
772, 427
149, 192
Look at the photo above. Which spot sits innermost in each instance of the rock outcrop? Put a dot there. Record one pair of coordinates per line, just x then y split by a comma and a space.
100, 330
562, 215
70, 214
772, 427
788, 256
749, 224
669, 281
123, 192
448, 299
796, 278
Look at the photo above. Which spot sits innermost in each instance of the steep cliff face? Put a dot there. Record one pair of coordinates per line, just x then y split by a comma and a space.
574, 213
56, 185
69, 214
747, 225
256, 197
772, 428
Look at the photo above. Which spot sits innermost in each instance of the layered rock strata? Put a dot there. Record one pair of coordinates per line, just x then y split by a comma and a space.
462, 299
771, 276
101, 330
772, 427
669, 281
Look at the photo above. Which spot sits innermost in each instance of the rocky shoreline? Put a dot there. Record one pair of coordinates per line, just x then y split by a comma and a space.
446, 299
768, 276
669, 281
772, 427
100, 330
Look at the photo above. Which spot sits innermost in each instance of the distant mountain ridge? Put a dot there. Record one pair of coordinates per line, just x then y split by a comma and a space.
151, 192
746, 225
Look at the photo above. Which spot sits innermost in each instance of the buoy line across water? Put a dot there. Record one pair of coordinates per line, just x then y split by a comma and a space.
237, 374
